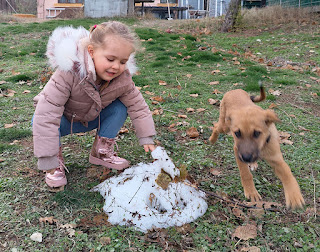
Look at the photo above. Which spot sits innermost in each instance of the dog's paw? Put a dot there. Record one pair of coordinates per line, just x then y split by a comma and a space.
253, 166
253, 195
294, 201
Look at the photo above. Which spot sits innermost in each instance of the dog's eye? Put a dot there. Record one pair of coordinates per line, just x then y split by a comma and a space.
238, 134
256, 134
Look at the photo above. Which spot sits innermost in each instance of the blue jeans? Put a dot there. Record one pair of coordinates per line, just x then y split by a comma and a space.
112, 119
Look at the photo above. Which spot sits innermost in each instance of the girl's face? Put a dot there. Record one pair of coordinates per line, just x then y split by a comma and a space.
110, 60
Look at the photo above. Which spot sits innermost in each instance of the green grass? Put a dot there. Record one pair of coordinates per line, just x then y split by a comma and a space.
180, 61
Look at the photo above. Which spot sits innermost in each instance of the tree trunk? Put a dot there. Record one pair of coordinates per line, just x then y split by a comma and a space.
130, 7
231, 16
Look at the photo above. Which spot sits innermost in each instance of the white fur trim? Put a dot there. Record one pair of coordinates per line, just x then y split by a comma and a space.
66, 51
131, 64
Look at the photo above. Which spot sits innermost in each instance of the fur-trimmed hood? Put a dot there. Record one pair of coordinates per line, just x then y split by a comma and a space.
66, 50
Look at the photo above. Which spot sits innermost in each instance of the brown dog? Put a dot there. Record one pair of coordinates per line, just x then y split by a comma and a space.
255, 136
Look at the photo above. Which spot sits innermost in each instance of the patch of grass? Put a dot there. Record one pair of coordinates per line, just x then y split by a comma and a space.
14, 134
186, 62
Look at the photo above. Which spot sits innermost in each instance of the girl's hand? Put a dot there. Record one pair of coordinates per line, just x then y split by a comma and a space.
148, 147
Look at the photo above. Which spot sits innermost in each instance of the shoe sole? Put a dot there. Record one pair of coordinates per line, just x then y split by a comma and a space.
97, 161
54, 184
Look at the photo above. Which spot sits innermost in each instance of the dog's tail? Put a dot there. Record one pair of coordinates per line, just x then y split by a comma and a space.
262, 95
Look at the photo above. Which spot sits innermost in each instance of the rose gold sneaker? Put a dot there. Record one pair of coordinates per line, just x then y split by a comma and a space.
58, 178
102, 153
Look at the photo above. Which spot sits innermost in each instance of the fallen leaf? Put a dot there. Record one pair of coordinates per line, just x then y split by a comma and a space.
148, 93
246, 232
275, 92
215, 172
214, 83
238, 213
162, 83
182, 116
157, 98
50, 220
200, 110
190, 110
213, 101
216, 91
192, 132
163, 180
123, 130
194, 95
273, 105
157, 112
215, 72
189, 75
105, 240
251, 249
10, 125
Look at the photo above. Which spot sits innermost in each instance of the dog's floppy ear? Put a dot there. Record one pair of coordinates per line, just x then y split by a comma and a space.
271, 117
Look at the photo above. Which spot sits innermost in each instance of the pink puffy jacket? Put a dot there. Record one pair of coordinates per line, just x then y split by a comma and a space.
72, 92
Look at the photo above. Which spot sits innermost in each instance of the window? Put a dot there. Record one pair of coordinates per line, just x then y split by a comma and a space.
170, 1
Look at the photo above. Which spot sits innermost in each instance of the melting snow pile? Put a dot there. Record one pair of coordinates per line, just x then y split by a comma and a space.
135, 199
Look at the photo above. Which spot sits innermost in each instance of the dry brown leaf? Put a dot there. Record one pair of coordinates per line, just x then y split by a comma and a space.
215, 71
157, 112
162, 83
192, 132
149, 93
238, 213
275, 92
273, 105
251, 249
236, 63
9, 125
257, 213
216, 91
200, 110
163, 180
189, 75
213, 101
182, 116
190, 110
123, 130
215, 172
246, 232
68, 226
50, 220
214, 82
105, 240
157, 98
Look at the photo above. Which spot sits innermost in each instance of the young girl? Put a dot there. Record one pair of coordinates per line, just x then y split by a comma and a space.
91, 89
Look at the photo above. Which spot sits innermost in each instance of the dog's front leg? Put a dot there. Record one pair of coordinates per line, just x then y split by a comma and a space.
250, 190
291, 188
215, 133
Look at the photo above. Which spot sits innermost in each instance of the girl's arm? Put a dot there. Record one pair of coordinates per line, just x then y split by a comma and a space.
47, 118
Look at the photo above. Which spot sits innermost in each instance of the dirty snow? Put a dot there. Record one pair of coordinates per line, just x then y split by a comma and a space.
133, 198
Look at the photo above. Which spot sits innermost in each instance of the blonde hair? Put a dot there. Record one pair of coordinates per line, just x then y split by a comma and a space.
98, 33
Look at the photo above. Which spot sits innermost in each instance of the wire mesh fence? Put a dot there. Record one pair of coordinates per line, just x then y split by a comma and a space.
294, 3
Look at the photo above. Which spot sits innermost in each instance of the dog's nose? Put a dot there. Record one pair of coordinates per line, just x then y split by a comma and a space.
247, 158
